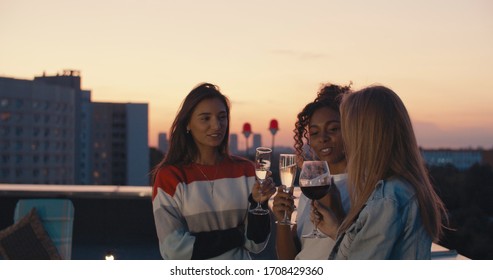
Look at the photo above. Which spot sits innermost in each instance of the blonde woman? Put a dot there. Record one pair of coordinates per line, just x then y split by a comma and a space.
395, 212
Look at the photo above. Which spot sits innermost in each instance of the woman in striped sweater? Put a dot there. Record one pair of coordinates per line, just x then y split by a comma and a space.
201, 193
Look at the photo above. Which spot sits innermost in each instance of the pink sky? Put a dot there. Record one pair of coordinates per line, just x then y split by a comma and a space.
269, 57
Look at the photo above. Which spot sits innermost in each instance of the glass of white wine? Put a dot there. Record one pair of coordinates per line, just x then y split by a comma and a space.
287, 172
262, 167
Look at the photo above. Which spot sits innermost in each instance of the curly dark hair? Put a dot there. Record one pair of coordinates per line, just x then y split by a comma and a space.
330, 96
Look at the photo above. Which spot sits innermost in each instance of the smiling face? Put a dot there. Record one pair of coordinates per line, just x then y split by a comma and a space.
208, 124
326, 138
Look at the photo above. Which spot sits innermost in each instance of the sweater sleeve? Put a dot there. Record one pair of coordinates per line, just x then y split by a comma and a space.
214, 243
258, 226
175, 239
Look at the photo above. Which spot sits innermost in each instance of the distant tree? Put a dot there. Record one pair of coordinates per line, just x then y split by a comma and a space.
467, 195
155, 156
479, 179
448, 181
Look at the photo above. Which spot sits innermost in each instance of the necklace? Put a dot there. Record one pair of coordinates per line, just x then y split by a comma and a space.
211, 182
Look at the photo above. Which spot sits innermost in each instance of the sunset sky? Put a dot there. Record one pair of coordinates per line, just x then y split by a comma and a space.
268, 57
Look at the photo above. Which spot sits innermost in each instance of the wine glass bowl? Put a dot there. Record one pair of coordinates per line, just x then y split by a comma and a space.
262, 167
315, 183
287, 173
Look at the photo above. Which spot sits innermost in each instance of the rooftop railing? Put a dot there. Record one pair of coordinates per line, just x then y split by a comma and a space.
117, 221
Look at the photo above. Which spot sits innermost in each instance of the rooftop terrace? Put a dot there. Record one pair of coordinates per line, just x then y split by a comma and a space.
116, 220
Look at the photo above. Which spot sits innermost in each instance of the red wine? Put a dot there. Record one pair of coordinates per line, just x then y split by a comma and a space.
315, 192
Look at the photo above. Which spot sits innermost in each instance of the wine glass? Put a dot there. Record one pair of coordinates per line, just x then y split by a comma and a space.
315, 184
287, 172
262, 166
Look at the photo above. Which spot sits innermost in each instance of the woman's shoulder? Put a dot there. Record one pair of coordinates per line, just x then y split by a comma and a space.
168, 177
394, 188
340, 179
169, 170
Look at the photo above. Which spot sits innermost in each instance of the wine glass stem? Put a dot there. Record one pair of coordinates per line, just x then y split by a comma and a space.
315, 227
286, 219
259, 205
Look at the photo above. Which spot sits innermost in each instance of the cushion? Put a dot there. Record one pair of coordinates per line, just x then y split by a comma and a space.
27, 240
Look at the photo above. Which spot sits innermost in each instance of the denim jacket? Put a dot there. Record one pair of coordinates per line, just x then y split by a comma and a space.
389, 226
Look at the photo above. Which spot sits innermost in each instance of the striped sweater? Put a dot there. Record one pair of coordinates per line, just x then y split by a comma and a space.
200, 219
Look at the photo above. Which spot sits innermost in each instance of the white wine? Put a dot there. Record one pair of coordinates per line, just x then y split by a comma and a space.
262, 166
287, 175
261, 173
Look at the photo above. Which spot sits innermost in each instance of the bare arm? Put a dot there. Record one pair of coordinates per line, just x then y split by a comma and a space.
287, 244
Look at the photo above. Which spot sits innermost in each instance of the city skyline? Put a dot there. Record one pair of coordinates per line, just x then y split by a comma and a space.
269, 58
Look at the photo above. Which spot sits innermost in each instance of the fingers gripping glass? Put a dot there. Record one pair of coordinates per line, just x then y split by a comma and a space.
287, 172
262, 167
315, 184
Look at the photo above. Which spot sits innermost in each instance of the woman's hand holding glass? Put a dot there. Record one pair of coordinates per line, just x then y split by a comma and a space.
328, 212
263, 191
283, 204
325, 218
262, 168
287, 173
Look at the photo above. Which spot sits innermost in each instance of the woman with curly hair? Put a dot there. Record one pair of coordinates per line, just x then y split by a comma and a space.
318, 128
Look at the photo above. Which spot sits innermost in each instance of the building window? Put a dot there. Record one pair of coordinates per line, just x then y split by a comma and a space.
19, 131
34, 145
5, 158
5, 172
5, 116
4, 131
5, 144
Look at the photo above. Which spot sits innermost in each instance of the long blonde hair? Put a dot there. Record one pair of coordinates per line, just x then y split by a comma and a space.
380, 143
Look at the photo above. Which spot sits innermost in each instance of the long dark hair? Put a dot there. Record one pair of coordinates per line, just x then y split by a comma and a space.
330, 96
183, 149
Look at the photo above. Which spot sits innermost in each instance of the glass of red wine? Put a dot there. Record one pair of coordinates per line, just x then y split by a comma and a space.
314, 182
